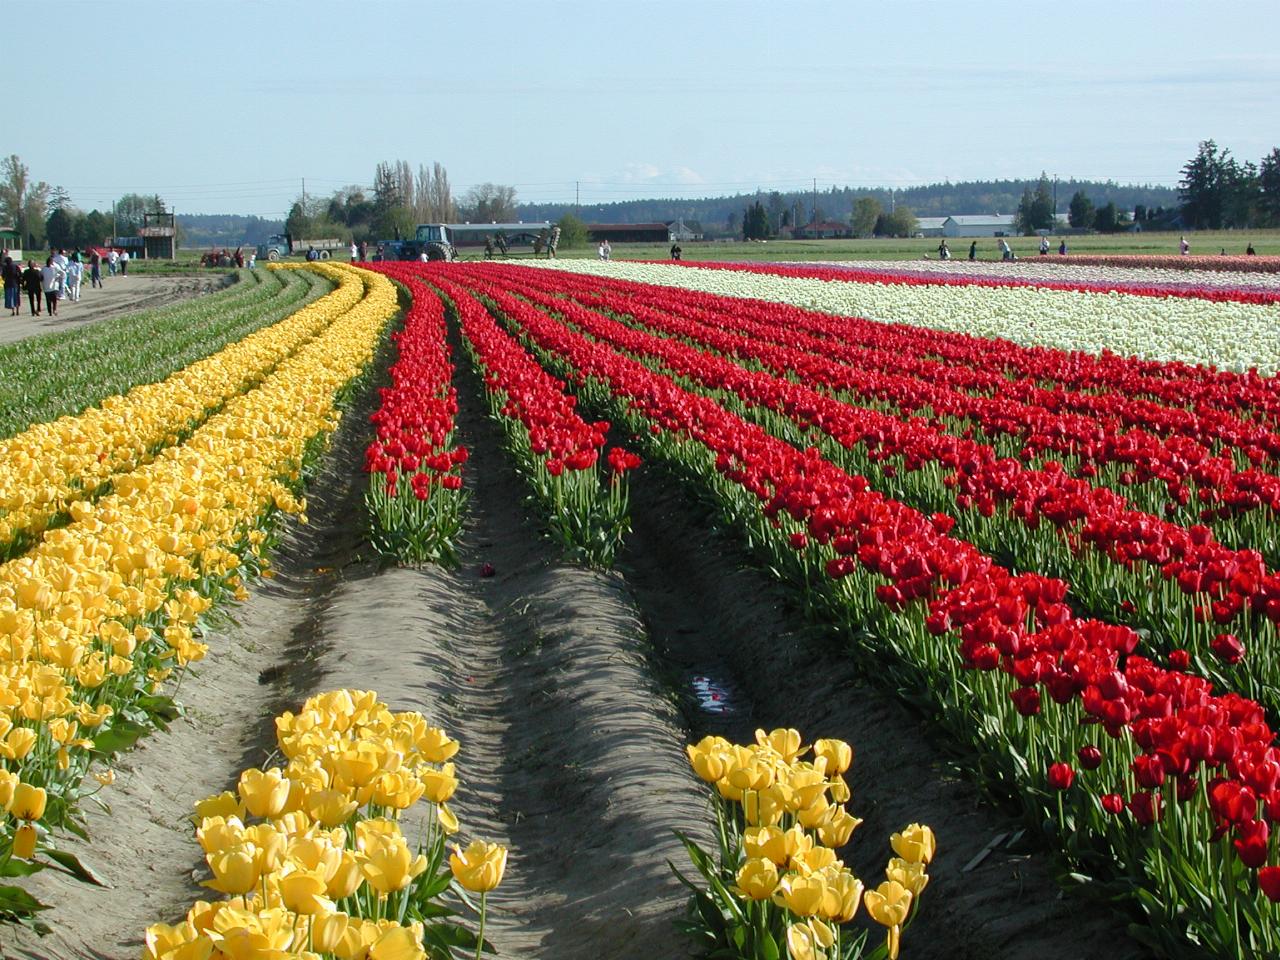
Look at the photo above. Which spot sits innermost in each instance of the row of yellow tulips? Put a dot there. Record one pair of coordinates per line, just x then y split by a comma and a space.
326, 871
56, 467
776, 878
95, 617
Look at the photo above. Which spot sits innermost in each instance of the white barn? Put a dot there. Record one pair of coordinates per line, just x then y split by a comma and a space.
930, 226
979, 225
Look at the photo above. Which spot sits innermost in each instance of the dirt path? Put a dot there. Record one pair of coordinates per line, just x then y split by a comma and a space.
117, 296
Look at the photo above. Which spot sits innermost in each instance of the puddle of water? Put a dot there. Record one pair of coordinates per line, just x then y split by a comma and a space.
713, 696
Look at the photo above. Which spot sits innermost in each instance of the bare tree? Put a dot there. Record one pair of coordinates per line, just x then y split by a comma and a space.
490, 202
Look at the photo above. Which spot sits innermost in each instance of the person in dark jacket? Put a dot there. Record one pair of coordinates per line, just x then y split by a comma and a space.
12, 274
33, 283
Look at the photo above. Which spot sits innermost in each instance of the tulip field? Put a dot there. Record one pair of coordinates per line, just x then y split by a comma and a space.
1038, 505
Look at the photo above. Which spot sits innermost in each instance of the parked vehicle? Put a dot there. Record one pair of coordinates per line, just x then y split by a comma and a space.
280, 245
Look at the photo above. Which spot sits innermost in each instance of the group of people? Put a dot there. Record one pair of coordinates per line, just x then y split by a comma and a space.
60, 279
1006, 251
605, 250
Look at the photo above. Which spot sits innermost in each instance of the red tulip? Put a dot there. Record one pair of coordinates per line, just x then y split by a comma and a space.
1228, 648
1269, 883
1090, 757
1251, 843
1113, 803
1061, 776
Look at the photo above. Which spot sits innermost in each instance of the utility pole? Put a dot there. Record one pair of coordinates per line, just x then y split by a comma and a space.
815, 199
577, 195
1055, 199
115, 230
893, 201
304, 196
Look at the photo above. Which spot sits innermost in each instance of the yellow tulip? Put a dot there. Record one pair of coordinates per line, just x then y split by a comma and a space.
839, 790
346, 879
235, 869
327, 931
264, 793
330, 808
217, 833
445, 817
844, 893
303, 892
707, 757
439, 785
8, 786
785, 742
888, 904
910, 875
225, 804
807, 785
813, 860
915, 844
28, 802
388, 865
24, 841
766, 807
397, 943
809, 940
20, 742
802, 895
480, 867
837, 827
757, 879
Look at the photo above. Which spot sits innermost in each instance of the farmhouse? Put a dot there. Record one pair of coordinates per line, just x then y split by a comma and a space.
628, 232
979, 225
930, 226
679, 232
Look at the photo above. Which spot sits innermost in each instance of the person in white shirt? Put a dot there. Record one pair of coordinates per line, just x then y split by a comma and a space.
355, 252
124, 263
51, 278
75, 274
113, 258
423, 256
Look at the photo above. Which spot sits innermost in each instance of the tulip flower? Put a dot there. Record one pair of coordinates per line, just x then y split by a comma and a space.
757, 878
1269, 883
801, 894
480, 867
915, 844
809, 940
388, 865
263, 793
24, 841
28, 802
889, 905
1061, 776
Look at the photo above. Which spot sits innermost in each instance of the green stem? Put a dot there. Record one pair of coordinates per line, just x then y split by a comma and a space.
480, 936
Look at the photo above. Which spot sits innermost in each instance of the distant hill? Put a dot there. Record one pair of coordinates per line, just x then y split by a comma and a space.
200, 230
836, 203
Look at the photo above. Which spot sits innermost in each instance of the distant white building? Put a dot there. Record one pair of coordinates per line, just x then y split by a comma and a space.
677, 232
930, 226
979, 225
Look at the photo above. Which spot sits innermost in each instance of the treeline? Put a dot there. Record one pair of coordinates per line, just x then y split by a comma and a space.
225, 229
1219, 192
724, 214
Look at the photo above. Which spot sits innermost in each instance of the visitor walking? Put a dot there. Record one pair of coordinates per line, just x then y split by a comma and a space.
973, 250
488, 247
553, 241
1183, 246
944, 252
12, 274
676, 251
355, 252
608, 250
1062, 247
95, 269
1249, 251
52, 277
124, 263
364, 250
600, 251
253, 259
1006, 252
113, 261
33, 283
74, 274
1044, 246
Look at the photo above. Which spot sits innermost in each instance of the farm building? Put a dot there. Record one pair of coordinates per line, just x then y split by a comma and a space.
9, 238
628, 232
979, 225
159, 236
520, 233
930, 226
679, 232
822, 230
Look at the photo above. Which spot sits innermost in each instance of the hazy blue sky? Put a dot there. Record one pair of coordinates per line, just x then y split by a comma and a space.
224, 105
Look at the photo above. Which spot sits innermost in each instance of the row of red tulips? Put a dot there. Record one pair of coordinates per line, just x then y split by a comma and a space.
1241, 264
415, 495
862, 275
1046, 518
557, 452
1169, 468
1181, 790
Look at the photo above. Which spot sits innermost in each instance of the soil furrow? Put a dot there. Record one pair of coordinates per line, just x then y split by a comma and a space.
712, 617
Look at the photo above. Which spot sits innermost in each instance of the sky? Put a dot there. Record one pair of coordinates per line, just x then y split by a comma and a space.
226, 106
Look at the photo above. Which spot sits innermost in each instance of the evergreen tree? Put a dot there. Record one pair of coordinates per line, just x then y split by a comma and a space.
866, 211
1080, 213
1269, 189
1203, 187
